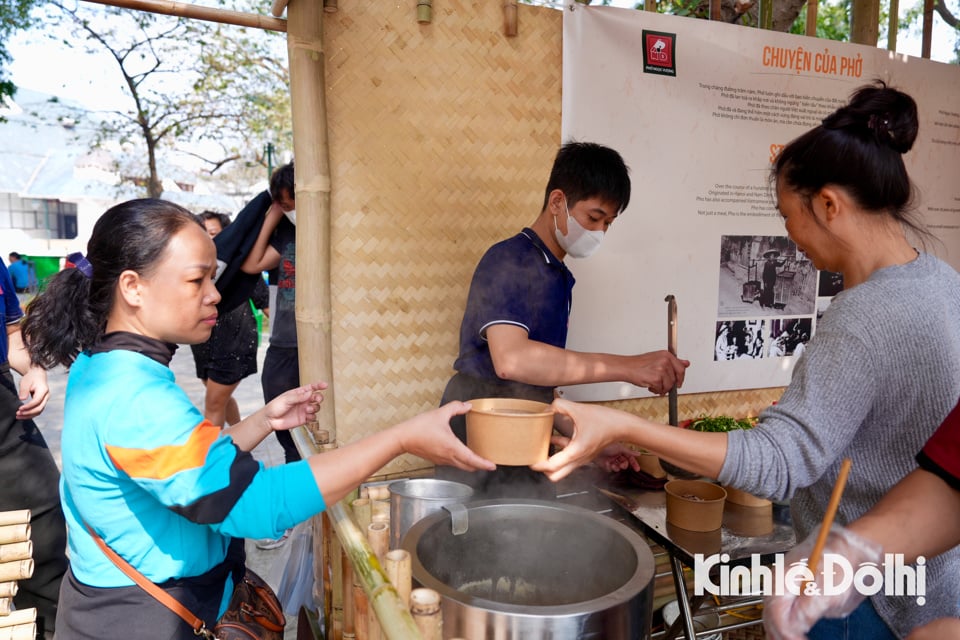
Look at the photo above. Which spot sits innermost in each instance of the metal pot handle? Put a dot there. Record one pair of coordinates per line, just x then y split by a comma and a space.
458, 518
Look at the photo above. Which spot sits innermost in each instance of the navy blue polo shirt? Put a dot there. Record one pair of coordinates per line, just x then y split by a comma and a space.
518, 281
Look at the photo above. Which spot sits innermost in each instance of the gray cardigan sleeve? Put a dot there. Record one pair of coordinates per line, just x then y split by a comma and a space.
820, 413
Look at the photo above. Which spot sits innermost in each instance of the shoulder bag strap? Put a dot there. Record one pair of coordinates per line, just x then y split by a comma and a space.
164, 598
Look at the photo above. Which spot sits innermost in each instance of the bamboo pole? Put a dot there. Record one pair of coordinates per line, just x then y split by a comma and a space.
812, 6
16, 570
378, 492
337, 591
425, 608
864, 22
424, 11
397, 564
374, 631
16, 551
893, 25
765, 12
926, 39
312, 186
714, 10
14, 533
347, 582
380, 511
311, 153
328, 591
510, 18
378, 535
210, 14
5, 607
18, 617
362, 512
8, 589
361, 613
21, 516
27, 631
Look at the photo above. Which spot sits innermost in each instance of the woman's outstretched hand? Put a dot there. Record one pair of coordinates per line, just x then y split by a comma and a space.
595, 428
429, 436
295, 407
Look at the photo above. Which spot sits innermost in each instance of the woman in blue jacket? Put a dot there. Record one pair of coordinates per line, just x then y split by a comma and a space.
167, 490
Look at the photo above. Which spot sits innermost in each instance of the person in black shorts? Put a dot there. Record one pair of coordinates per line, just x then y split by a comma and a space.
230, 355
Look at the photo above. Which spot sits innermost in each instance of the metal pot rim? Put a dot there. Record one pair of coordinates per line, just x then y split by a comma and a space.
641, 578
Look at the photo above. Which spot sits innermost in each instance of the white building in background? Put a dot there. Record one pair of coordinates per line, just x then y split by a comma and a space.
53, 187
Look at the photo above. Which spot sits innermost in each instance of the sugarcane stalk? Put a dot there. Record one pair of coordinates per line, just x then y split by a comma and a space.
395, 619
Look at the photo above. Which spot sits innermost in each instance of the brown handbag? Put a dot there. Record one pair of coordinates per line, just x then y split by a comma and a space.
254, 611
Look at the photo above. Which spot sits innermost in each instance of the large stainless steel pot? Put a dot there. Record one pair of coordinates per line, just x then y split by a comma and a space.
530, 569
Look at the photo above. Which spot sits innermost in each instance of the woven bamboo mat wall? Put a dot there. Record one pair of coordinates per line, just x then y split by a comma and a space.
441, 140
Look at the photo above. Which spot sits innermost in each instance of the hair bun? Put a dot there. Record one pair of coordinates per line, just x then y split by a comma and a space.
884, 114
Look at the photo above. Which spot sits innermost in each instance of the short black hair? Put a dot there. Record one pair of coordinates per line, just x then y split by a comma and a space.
589, 170
282, 180
222, 218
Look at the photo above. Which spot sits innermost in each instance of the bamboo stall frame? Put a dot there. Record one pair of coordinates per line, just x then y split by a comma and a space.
312, 185
210, 14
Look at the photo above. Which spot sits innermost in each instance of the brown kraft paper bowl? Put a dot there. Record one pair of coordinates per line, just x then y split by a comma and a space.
695, 505
748, 521
510, 431
736, 496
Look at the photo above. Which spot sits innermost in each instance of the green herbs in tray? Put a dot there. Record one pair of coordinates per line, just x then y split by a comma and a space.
721, 423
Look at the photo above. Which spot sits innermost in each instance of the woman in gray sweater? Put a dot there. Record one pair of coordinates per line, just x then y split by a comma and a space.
874, 383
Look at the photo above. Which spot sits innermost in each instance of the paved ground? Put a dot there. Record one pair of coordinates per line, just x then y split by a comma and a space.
269, 564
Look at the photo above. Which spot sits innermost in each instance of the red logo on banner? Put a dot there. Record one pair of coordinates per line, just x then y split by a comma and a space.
659, 52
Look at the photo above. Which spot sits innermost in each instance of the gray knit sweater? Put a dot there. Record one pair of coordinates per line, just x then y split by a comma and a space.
874, 383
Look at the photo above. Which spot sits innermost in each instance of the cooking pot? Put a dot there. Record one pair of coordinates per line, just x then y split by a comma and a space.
411, 500
531, 569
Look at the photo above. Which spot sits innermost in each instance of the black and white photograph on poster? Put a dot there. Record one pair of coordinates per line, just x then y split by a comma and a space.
764, 275
831, 283
788, 336
739, 340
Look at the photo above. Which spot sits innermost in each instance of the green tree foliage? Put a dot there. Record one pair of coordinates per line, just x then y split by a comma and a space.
833, 16
217, 93
833, 21
14, 16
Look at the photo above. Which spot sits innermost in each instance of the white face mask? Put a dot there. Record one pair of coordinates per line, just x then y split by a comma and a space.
579, 242
291, 216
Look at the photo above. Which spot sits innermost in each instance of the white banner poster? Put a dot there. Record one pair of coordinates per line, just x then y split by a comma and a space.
699, 110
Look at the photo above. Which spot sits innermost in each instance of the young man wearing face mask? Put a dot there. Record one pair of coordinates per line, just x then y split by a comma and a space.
514, 330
